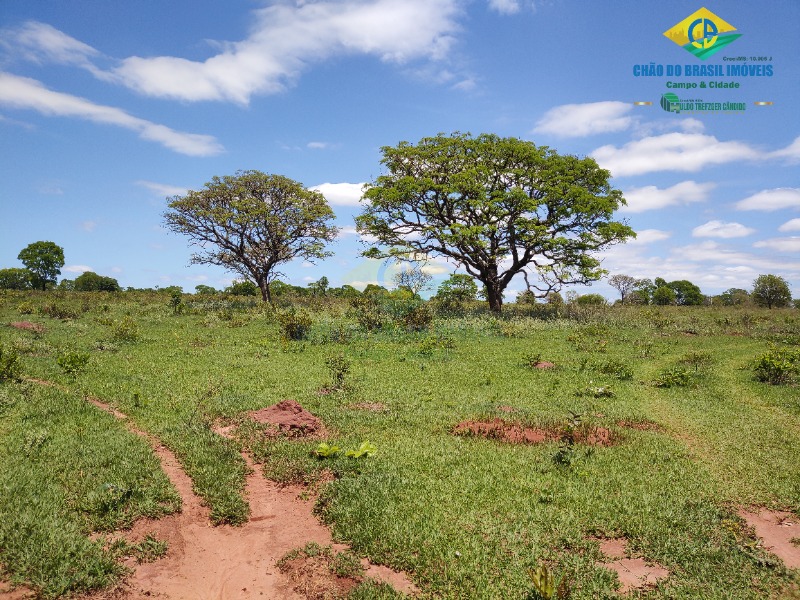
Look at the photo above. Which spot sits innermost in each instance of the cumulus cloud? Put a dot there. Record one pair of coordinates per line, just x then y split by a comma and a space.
671, 152
770, 200
718, 229
793, 225
786, 244
341, 194
652, 198
25, 93
579, 120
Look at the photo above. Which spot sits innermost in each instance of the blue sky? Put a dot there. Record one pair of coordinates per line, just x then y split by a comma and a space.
106, 108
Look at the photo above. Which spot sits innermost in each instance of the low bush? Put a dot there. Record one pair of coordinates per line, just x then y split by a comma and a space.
779, 366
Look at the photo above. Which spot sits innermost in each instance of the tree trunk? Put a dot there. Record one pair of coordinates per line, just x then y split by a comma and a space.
263, 284
495, 298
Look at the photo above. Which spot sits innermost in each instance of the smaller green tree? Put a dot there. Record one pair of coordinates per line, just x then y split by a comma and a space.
15, 279
319, 287
664, 296
44, 260
591, 300
457, 288
771, 291
204, 290
242, 288
686, 293
92, 282
734, 297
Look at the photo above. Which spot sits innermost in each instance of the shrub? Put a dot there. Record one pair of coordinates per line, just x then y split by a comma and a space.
339, 367
616, 368
125, 330
73, 363
778, 366
673, 377
295, 324
62, 312
9, 364
417, 318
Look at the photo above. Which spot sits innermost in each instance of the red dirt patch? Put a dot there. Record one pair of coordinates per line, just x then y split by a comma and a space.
7, 592
289, 417
27, 326
506, 409
515, 433
633, 573
777, 529
311, 577
543, 364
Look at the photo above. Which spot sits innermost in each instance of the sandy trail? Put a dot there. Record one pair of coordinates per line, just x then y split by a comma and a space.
205, 562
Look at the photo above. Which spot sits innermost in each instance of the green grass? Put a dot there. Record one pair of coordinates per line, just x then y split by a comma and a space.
466, 517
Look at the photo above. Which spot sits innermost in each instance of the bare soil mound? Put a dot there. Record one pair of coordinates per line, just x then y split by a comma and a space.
27, 326
633, 573
780, 532
516, 433
543, 364
288, 417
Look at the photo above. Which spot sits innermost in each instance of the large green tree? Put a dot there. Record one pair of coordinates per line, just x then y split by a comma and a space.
771, 291
252, 222
44, 260
495, 207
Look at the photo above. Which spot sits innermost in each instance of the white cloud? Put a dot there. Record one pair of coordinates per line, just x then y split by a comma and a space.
41, 43
466, 85
116, 269
286, 38
769, 200
341, 194
671, 152
78, 269
793, 225
649, 236
162, 189
505, 7
652, 198
718, 229
25, 93
787, 244
579, 120
317, 145
89, 225
792, 151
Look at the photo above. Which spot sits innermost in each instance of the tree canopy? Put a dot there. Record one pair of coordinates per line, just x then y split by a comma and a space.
496, 207
15, 279
92, 282
44, 260
771, 291
252, 222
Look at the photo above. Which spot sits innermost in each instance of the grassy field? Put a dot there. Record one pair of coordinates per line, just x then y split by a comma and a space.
696, 437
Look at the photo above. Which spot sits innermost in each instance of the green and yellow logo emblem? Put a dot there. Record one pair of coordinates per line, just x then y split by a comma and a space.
702, 33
